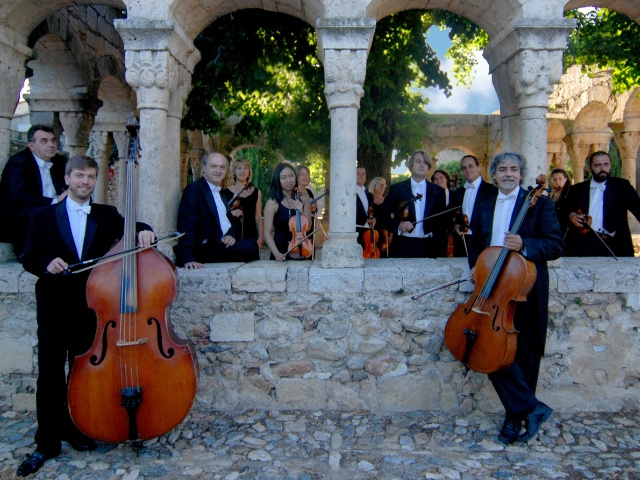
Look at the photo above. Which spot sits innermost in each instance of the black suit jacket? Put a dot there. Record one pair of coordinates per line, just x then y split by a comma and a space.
435, 202
619, 197
362, 215
542, 239
21, 191
198, 220
485, 192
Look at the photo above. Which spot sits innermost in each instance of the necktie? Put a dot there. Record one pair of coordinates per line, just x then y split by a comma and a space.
469, 185
86, 209
598, 186
216, 188
48, 165
502, 197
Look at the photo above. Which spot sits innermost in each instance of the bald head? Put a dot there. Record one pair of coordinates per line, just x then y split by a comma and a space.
214, 168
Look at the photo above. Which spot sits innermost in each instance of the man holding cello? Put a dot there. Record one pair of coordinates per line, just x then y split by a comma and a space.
539, 240
66, 233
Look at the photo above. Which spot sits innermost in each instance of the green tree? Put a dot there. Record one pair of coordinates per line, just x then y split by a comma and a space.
605, 39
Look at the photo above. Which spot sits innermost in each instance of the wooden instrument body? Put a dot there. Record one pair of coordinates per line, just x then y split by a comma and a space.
494, 344
163, 365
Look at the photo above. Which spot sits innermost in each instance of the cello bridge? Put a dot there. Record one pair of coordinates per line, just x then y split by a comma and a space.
479, 312
126, 343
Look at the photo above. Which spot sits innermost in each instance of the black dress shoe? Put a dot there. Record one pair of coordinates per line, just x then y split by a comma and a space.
80, 442
510, 430
33, 463
533, 421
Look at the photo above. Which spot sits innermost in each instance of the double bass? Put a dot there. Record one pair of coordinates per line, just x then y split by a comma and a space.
139, 379
481, 333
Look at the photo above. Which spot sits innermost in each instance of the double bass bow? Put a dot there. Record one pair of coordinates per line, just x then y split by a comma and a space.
139, 379
481, 333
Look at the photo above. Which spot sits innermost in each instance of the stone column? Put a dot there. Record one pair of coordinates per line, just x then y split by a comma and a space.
77, 126
101, 146
343, 46
120, 139
12, 74
159, 59
627, 137
578, 147
529, 57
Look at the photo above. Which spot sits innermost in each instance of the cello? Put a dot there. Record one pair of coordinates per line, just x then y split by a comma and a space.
139, 379
481, 333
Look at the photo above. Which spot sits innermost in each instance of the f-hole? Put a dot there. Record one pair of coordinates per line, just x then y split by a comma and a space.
171, 351
94, 359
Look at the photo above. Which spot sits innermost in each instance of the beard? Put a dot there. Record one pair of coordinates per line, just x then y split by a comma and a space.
601, 177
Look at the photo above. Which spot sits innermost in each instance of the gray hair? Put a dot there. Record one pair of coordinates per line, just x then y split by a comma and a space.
503, 157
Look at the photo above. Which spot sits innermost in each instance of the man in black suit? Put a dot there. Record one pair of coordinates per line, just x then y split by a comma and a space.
414, 237
475, 191
606, 200
205, 219
364, 200
61, 235
32, 178
539, 239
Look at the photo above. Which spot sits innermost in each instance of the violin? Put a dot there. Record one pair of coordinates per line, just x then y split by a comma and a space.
402, 211
586, 223
300, 245
234, 202
139, 379
314, 207
370, 239
481, 333
602, 236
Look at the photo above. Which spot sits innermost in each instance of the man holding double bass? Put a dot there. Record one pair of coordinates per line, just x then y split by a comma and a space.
539, 240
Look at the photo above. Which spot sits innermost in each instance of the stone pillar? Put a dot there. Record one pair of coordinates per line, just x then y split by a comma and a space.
101, 147
578, 147
120, 139
627, 137
159, 59
12, 74
529, 57
343, 46
77, 126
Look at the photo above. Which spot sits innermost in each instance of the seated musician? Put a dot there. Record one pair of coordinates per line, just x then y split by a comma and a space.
281, 208
606, 201
205, 219
414, 236
539, 239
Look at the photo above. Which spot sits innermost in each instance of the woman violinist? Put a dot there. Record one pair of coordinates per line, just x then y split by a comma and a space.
281, 206
539, 240
378, 187
442, 178
246, 207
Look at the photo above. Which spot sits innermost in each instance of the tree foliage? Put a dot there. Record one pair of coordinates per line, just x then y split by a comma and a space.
605, 39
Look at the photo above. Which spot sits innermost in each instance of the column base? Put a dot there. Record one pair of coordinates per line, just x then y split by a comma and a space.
342, 251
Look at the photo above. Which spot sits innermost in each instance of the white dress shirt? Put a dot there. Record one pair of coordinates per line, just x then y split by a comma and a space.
78, 221
48, 190
596, 205
470, 195
416, 188
225, 224
502, 216
362, 195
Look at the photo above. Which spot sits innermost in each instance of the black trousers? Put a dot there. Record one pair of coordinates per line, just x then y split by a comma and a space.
66, 328
408, 247
516, 385
217, 252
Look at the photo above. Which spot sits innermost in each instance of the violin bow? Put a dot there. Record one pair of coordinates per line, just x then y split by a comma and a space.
246, 187
440, 287
116, 256
300, 242
436, 215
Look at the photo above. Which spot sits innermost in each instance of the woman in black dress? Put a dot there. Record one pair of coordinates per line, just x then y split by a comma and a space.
247, 206
280, 208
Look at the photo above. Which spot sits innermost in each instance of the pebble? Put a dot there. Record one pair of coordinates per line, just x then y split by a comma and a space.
298, 445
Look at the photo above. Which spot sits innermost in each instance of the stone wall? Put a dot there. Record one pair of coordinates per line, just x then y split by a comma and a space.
295, 335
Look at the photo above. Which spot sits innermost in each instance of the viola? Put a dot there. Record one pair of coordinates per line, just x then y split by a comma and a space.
300, 245
481, 333
139, 379
370, 239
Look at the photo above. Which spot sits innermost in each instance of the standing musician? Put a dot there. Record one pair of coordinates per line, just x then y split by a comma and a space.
32, 178
205, 219
443, 179
558, 192
279, 209
414, 237
66, 233
247, 214
606, 200
539, 240
475, 191
364, 200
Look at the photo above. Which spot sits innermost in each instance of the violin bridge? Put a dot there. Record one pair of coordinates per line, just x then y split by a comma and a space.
125, 343
479, 312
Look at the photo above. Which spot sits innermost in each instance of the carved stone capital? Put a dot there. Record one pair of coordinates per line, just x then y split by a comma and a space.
153, 75
343, 46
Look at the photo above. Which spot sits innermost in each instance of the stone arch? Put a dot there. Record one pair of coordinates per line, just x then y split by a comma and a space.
631, 8
490, 16
594, 118
632, 110
557, 155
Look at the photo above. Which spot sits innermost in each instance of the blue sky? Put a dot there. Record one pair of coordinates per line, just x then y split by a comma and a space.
481, 98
